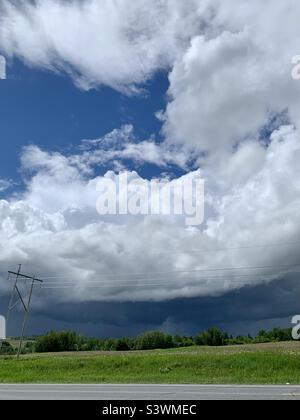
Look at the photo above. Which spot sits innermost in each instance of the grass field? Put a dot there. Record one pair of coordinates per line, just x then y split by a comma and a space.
253, 364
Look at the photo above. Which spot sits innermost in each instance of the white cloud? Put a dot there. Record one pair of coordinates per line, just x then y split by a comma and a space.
4, 185
122, 145
59, 183
115, 43
230, 78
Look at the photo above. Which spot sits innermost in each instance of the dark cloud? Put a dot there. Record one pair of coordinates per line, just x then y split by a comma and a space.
243, 311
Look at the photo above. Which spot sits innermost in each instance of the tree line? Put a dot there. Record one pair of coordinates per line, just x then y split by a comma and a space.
70, 341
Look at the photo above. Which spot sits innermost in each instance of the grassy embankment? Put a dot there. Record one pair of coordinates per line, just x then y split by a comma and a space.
253, 364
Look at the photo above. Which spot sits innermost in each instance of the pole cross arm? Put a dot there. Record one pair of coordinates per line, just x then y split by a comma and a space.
25, 277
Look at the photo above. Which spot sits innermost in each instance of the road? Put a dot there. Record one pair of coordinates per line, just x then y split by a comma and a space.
148, 392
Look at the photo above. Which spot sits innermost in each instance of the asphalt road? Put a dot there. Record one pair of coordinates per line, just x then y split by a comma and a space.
148, 392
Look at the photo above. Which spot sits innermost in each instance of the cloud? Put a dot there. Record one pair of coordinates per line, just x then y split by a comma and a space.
4, 185
228, 82
240, 312
54, 227
121, 146
118, 44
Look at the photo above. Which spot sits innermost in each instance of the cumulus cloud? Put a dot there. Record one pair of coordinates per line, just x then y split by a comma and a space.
155, 258
230, 79
116, 43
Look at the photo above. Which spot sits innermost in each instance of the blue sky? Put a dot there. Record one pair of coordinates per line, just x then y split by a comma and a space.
47, 109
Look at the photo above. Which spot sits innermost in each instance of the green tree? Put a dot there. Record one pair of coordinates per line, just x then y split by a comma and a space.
110, 344
154, 340
57, 342
6, 348
263, 337
212, 337
124, 344
183, 341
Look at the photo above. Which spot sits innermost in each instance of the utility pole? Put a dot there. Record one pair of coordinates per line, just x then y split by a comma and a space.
24, 300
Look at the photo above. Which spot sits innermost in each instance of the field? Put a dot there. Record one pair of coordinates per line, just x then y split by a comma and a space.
253, 364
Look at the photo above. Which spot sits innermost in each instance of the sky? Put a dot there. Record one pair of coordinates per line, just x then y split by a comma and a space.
159, 90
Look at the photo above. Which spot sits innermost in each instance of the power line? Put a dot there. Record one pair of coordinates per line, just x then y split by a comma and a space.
194, 251
207, 270
119, 286
171, 282
218, 249
56, 283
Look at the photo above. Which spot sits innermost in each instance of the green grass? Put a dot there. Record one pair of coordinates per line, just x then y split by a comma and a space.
239, 365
